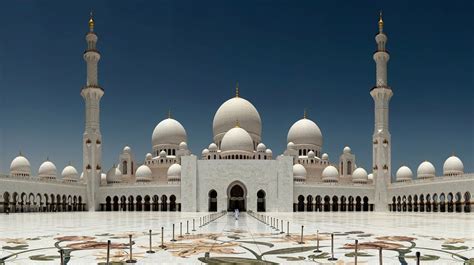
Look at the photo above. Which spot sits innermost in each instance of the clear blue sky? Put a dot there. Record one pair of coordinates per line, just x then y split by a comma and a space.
187, 55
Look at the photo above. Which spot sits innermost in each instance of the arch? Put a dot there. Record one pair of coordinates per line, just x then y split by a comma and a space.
335, 205
237, 196
261, 207
164, 203
349, 168
467, 202
435, 203
139, 203
421, 203
123, 203
450, 202
399, 204
410, 205
318, 204
115, 205
147, 203
404, 203
309, 203
327, 203
394, 204
415, 203
156, 204
300, 203
343, 204
442, 202
124, 167
173, 203
351, 204
458, 201
131, 203
108, 205
365, 205
212, 201
358, 204
6, 202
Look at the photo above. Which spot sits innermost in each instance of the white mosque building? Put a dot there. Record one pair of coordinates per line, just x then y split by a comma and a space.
236, 170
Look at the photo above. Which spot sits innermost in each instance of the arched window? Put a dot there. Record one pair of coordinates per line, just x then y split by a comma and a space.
124, 167
349, 167
342, 168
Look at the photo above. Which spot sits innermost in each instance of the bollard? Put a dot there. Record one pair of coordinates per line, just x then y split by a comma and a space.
418, 258
150, 251
200, 223
282, 232
173, 240
131, 260
277, 225
332, 248
288, 228
187, 227
355, 251
162, 238
317, 242
194, 228
61, 256
380, 256
301, 241
108, 253
180, 230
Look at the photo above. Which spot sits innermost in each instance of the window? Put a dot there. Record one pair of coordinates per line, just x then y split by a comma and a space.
342, 168
124, 167
349, 167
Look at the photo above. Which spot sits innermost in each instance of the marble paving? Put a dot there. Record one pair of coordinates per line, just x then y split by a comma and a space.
35, 238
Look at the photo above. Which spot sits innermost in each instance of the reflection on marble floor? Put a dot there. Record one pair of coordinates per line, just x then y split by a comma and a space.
35, 238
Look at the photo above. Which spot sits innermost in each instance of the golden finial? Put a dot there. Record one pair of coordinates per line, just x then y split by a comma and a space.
47, 158
305, 114
91, 23
237, 123
380, 22
169, 114
237, 89
20, 153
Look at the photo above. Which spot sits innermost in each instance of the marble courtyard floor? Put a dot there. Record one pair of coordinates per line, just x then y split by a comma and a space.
35, 238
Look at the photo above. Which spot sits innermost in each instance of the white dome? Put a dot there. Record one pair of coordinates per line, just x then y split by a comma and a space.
239, 109
168, 131
213, 147
425, 170
148, 156
174, 173
127, 149
404, 173
347, 150
290, 146
70, 173
237, 139
103, 178
81, 178
305, 131
143, 174
261, 147
359, 175
114, 175
325, 156
20, 165
205, 152
47, 170
370, 176
299, 173
330, 174
269, 152
162, 153
183, 146
453, 166
311, 154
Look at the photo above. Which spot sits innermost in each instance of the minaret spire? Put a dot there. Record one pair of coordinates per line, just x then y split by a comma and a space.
305, 114
92, 138
380, 22
237, 89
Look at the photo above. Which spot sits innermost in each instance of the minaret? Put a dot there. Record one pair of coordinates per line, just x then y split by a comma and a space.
92, 139
381, 139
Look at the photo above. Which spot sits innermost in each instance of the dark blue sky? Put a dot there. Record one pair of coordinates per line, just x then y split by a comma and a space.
287, 55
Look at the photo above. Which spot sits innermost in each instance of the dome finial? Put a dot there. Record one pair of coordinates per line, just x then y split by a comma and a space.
305, 114
169, 114
20, 153
380, 22
237, 123
91, 22
47, 158
237, 89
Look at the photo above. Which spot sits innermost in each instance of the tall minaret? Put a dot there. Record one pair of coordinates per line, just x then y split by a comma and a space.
92, 139
381, 139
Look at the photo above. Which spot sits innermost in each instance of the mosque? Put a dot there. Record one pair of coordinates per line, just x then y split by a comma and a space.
237, 170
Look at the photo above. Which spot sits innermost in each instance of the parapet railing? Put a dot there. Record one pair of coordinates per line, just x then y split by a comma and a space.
433, 180
37, 179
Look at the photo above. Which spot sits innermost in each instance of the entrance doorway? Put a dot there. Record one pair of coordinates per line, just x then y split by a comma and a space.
212, 201
237, 197
261, 201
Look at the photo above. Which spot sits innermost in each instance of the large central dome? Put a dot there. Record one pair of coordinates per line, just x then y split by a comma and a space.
237, 109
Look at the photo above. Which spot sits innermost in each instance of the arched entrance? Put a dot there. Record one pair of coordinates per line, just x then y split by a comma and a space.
237, 197
212, 201
261, 201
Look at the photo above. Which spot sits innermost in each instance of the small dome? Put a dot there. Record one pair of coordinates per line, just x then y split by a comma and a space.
290, 146
261, 147
103, 178
70, 173
148, 156
205, 152
168, 131
325, 156
143, 174
237, 139
370, 176
20, 166
359, 175
311, 154
47, 170
299, 173
269, 152
183, 146
114, 175
305, 131
425, 170
127, 149
404, 174
174, 173
213, 147
162, 153
347, 150
453, 166
330, 174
